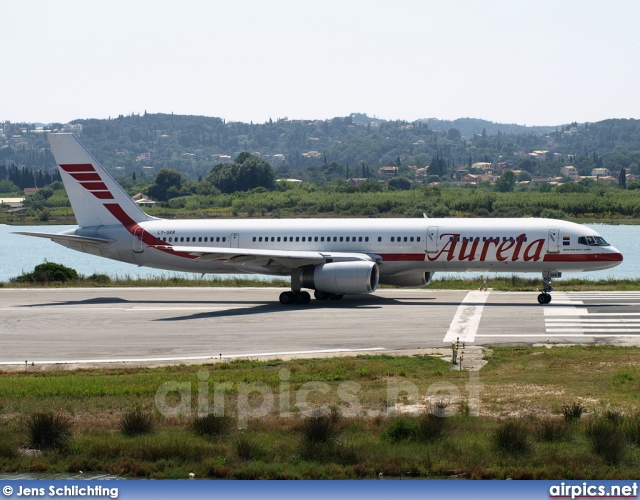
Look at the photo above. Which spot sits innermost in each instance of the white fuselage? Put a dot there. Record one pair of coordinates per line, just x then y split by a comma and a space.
397, 245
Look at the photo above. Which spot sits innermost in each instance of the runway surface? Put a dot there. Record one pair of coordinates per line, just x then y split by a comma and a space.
99, 325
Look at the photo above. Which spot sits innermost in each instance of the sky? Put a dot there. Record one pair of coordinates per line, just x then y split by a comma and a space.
530, 62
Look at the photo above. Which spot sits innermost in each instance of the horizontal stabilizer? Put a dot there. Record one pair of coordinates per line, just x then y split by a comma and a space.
67, 237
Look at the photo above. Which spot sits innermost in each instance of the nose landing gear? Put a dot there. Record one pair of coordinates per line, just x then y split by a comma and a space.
545, 296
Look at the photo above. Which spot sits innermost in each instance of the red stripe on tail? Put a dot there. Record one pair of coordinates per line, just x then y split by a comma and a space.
80, 167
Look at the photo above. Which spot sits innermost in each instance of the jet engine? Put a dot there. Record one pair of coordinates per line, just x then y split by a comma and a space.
339, 278
407, 279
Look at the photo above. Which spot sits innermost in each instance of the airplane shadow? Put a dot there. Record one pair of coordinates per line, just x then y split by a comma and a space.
252, 307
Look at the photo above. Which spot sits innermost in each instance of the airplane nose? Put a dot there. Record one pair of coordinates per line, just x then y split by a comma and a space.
614, 255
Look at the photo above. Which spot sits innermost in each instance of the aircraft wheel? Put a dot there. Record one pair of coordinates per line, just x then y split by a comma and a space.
287, 298
320, 295
544, 298
302, 298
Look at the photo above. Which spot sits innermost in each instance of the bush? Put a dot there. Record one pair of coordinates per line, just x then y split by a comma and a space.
551, 430
48, 272
607, 439
99, 279
512, 436
572, 411
321, 427
402, 429
246, 449
431, 427
137, 422
48, 430
211, 425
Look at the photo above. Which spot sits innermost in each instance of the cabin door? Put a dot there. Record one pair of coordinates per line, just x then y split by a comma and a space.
553, 241
432, 240
138, 244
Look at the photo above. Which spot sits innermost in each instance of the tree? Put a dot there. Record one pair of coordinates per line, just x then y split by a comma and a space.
166, 185
524, 176
506, 182
246, 173
454, 134
622, 179
400, 183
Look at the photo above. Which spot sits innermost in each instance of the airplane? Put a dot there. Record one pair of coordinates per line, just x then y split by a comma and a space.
333, 257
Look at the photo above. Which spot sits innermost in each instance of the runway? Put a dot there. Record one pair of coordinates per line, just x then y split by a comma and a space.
173, 325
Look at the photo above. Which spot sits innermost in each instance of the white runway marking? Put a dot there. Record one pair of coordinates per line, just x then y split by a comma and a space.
537, 335
465, 323
187, 358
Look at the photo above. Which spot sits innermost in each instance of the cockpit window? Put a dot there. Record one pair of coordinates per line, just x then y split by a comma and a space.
592, 241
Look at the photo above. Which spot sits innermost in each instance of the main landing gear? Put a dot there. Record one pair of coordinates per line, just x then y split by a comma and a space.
287, 298
545, 296
301, 298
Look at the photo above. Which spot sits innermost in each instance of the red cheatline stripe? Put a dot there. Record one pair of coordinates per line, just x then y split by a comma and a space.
121, 215
583, 257
148, 239
403, 256
80, 167
86, 177
103, 195
95, 186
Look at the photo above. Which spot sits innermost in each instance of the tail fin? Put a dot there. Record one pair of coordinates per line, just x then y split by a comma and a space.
96, 198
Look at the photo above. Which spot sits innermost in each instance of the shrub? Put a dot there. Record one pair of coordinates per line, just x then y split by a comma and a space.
99, 279
211, 425
572, 411
431, 427
551, 430
320, 427
246, 448
137, 422
512, 436
401, 429
47, 272
607, 439
48, 430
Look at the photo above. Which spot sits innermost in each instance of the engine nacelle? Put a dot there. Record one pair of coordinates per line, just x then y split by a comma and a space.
407, 279
351, 277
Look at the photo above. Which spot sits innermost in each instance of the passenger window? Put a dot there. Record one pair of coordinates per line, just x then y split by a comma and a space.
411, 239
379, 238
366, 238
405, 239
181, 239
392, 239
347, 239
199, 239
254, 238
303, 238
341, 238
335, 238
224, 238
418, 238
315, 239
297, 238
360, 239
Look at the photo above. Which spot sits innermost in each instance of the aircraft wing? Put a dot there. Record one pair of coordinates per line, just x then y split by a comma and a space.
267, 258
67, 237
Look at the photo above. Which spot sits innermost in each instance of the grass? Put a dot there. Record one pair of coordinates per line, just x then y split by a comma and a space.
520, 433
137, 422
510, 283
47, 430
